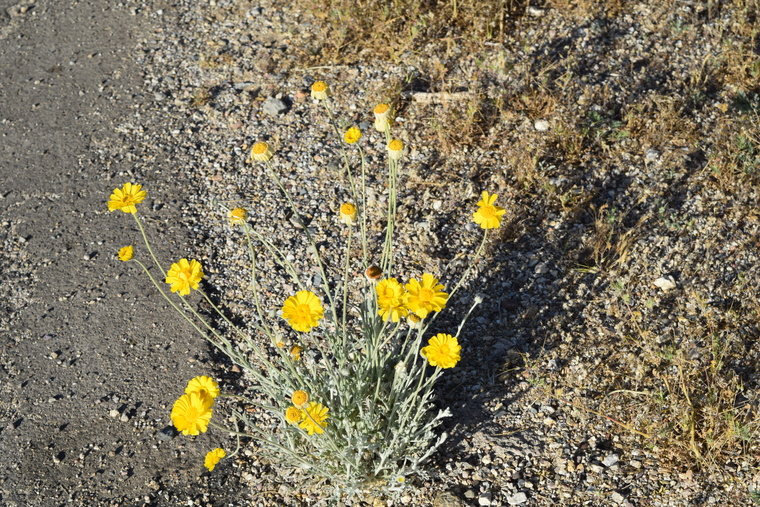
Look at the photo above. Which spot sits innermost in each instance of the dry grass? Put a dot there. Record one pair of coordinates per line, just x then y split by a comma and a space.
684, 394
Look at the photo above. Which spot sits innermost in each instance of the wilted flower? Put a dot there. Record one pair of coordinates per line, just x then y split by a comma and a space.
191, 413
299, 398
126, 197
414, 321
390, 300
237, 216
382, 121
347, 213
352, 135
442, 351
320, 90
213, 457
395, 149
303, 311
203, 384
261, 152
295, 352
126, 253
315, 418
184, 275
373, 273
488, 215
425, 296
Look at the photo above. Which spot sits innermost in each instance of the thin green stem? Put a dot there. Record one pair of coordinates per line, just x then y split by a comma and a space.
147, 244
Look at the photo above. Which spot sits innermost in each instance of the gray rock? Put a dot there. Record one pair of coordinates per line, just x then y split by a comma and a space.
274, 107
617, 497
610, 460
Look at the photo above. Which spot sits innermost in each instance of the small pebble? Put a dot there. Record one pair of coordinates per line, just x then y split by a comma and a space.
517, 498
484, 499
541, 125
610, 460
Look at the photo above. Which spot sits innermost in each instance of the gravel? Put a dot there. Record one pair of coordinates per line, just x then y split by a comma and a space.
545, 343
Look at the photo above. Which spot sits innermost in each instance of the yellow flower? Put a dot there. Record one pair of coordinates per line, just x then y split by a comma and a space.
261, 152
299, 398
315, 418
279, 344
237, 216
191, 413
395, 149
303, 311
426, 296
126, 197
126, 253
382, 122
320, 90
352, 135
295, 352
213, 457
184, 275
294, 415
390, 300
203, 384
347, 213
442, 351
488, 215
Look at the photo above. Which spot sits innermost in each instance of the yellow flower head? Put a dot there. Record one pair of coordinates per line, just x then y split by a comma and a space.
126, 253
488, 215
213, 457
295, 352
390, 300
203, 384
352, 135
382, 120
347, 213
395, 149
442, 351
261, 152
191, 413
294, 415
237, 216
320, 90
425, 296
299, 398
184, 275
303, 311
315, 418
126, 197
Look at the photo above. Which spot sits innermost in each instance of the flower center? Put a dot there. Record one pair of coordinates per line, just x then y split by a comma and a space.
425, 295
488, 211
302, 313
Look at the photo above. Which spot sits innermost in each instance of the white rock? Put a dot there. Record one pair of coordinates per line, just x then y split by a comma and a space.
535, 12
617, 497
517, 499
541, 125
484, 499
610, 460
665, 283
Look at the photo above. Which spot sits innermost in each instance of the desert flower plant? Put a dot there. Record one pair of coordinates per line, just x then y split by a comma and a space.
348, 371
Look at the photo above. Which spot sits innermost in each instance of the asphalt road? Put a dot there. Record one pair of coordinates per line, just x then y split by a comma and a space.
91, 357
